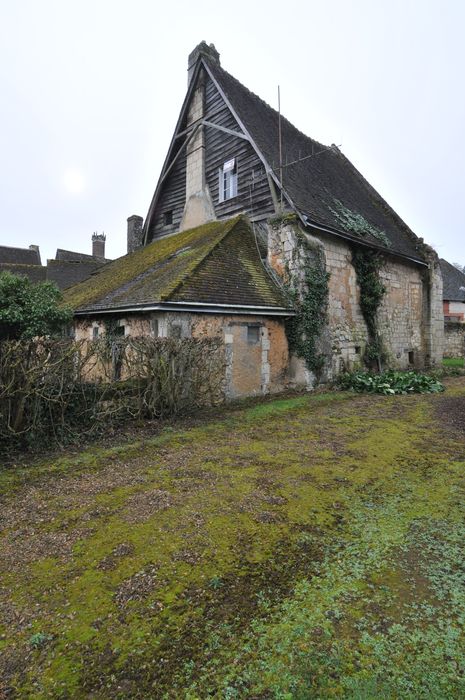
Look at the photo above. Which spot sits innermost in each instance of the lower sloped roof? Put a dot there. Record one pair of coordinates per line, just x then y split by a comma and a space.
453, 282
217, 263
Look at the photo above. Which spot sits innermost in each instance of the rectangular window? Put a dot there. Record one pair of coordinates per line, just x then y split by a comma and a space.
95, 332
119, 331
228, 180
168, 218
155, 329
253, 335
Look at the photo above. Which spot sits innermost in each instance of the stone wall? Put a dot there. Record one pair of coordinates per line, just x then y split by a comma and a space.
257, 357
454, 339
410, 317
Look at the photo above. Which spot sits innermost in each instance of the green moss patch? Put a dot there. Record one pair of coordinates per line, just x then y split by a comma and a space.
303, 547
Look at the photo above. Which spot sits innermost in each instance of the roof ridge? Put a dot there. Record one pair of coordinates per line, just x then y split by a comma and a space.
195, 264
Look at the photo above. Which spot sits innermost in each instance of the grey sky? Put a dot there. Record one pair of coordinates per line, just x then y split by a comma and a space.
91, 90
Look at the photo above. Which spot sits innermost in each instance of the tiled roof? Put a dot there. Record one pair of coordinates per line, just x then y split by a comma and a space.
217, 263
19, 256
65, 274
72, 256
453, 281
325, 187
36, 273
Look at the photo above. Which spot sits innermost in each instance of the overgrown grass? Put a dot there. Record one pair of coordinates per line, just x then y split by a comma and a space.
303, 548
453, 362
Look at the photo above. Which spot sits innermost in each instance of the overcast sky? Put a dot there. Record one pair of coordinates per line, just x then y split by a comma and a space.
91, 91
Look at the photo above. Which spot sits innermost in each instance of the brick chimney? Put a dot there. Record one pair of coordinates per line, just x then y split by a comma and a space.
98, 244
202, 49
35, 248
135, 233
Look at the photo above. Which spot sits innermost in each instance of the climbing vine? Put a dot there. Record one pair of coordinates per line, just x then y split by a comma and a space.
311, 305
356, 223
367, 264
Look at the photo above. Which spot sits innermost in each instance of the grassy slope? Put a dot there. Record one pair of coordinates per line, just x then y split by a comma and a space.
303, 548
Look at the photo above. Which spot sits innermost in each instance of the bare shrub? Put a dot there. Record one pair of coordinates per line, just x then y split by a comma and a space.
56, 389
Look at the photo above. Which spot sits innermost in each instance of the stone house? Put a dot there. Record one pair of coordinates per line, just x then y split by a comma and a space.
454, 310
306, 215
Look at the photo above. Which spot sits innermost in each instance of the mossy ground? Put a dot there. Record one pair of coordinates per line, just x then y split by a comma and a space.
308, 547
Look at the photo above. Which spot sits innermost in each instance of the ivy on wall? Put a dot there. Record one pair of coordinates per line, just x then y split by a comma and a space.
311, 305
367, 264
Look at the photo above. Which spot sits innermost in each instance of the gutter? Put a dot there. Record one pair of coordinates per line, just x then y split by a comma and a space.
188, 306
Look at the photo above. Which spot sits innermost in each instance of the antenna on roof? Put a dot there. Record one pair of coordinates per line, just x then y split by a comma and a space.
280, 148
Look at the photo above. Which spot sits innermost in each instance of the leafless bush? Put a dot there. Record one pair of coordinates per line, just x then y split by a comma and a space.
55, 389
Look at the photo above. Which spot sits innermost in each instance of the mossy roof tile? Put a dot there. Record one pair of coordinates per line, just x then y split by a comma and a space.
215, 263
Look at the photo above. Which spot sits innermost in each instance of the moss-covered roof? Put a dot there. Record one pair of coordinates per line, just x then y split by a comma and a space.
217, 263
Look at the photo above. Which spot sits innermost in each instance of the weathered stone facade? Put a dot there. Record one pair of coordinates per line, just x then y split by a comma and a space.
256, 349
199, 207
410, 318
454, 339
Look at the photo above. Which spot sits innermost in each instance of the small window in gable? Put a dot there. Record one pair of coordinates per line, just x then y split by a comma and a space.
228, 180
168, 217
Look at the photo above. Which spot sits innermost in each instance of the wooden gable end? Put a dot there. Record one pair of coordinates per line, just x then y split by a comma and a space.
253, 191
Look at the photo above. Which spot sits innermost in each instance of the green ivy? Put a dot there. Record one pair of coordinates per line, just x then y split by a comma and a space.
367, 264
311, 305
356, 223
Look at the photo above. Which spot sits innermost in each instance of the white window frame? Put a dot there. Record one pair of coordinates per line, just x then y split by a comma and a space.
227, 180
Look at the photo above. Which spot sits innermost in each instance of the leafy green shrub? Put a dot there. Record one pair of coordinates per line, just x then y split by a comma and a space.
390, 382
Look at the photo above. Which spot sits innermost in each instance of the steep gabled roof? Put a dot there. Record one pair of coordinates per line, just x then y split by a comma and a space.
19, 256
453, 282
325, 187
214, 264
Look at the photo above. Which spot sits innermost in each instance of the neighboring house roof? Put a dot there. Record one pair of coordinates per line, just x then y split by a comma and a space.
453, 282
214, 265
36, 273
65, 274
325, 188
19, 256
72, 256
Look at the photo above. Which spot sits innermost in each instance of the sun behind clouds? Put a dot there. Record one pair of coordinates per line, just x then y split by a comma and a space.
74, 181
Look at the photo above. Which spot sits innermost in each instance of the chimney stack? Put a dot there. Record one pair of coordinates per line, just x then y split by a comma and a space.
98, 245
135, 232
202, 49
35, 248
